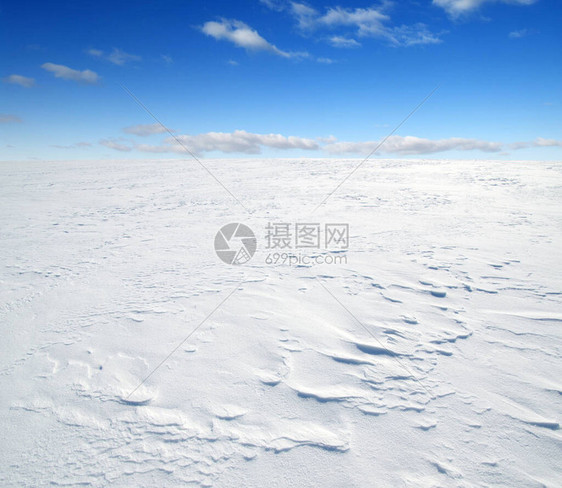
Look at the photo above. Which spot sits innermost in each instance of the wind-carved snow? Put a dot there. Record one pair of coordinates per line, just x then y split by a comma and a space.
451, 377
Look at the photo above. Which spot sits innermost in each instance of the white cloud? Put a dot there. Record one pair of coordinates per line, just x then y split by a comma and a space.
9, 118
362, 22
242, 36
19, 80
277, 5
456, 8
339, 41
411, 35
167, 59
243, 142
95, 52
145, 129
116, 56
325, 60
113, 144
119, 57
66, 73
414, 145
540, 142
305, 15
518, 34
232, 62
238, 141
368, 21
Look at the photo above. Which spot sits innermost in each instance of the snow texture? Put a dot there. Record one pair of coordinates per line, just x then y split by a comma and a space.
453, 268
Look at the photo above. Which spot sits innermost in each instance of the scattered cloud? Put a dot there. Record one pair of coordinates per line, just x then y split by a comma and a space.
520, 145
361, 22
410, 145
167, 59
113, 144
116, 56
9, 118
232, 62
277, 5
71, 146
540, 142
304, 14
518, 34
243, 36
457, 8
144, 130
95, 52
411, 35
66, 73
325, 60
19, 80
344, 42
238, 141
368, 21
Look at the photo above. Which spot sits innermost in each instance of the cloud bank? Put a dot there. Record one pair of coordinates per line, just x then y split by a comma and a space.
411, 145
238, 141
243, 142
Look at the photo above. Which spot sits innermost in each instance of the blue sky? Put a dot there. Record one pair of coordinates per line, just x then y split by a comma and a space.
275, 78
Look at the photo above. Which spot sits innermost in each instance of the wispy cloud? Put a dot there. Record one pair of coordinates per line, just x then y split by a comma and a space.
518, 34
275, 4
60, 71
344, 42
116, 145
360, 22
72, 146
238, 141
116, 56
144, 130
410, 145
242, 35
167, 59
9, 118
457, 8
19, 80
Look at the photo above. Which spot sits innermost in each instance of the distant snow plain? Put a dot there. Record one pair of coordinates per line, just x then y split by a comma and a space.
432, 357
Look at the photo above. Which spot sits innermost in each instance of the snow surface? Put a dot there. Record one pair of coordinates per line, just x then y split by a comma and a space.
453, 268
